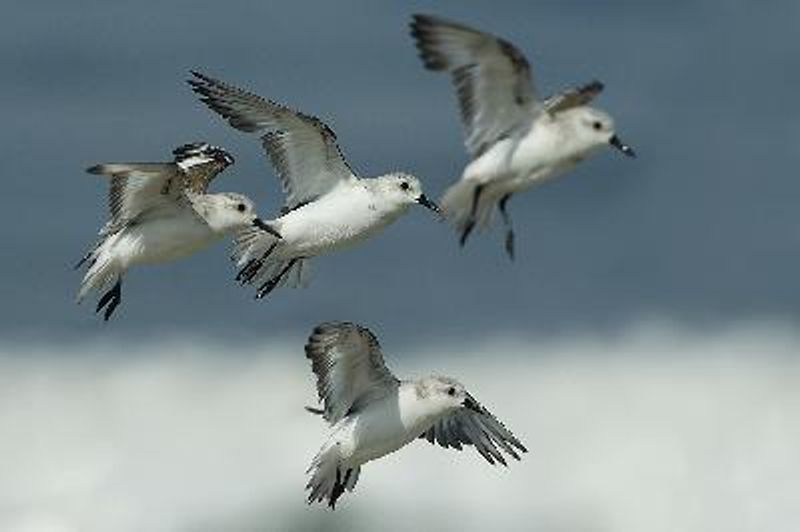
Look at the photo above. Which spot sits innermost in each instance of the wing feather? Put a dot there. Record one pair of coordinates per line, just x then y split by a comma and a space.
201, 163
137, 188
301, 147
575, 97
491, 76
348, 363
479, 429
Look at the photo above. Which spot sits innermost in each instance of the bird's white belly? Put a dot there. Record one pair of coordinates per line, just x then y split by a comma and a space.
513, 164
542, 155
378, 432
373, 444
165, 240
329, 225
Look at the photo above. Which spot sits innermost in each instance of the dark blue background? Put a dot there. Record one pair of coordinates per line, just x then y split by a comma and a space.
702, 229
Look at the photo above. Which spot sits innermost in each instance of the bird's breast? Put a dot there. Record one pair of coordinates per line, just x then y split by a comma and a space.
332, 223
166, 239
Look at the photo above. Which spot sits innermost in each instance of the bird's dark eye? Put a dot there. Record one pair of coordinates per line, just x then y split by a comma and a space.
241, 207
451, 391
597, 126
404, 185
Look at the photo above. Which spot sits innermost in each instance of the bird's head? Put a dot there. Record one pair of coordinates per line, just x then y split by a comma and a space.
445, 394
227, 212
593, 128
402, 190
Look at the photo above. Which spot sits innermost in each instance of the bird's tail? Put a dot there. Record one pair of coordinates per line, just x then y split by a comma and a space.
297, 272
102, 270
329, 479
458, 204
255, 253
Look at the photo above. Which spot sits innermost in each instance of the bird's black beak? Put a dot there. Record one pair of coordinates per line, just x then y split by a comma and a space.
621, 146
472, 404
428, 204
261, 224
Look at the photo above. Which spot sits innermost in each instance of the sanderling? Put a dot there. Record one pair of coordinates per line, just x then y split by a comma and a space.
372, 413
160, 212
327, 208
516, 139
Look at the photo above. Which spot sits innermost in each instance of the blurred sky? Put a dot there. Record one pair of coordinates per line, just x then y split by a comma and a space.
701, 230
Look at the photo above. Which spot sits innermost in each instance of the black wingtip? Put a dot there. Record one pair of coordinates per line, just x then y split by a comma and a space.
423, 19
200, 82
421, 26
417, 20
96, 169
595, 86
198, 74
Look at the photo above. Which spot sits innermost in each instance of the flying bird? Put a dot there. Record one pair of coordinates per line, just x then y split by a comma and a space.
515, 138
160, 212
373, 413
328, 207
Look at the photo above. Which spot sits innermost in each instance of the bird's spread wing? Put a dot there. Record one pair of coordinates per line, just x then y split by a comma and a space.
301, 147
137, 188
492, 78
478, 428
348, 363
574, 97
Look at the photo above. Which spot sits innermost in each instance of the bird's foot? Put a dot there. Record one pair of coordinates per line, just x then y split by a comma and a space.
110, 300
468, 227
510, 243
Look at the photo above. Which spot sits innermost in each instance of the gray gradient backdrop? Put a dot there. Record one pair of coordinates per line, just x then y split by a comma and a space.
701, 230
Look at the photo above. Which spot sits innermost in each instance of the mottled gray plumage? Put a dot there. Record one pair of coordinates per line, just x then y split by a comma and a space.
348, 363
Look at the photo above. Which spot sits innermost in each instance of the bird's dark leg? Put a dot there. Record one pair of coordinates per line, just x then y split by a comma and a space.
112, 298
252, 267
338, 487
473, 212
509, 228
270, 285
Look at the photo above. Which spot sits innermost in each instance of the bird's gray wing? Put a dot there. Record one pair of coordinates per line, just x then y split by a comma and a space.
478, 428
348, 363
574, 97
492, 78
301, 147
139, 188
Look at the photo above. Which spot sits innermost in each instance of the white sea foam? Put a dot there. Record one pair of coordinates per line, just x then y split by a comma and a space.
657, 429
